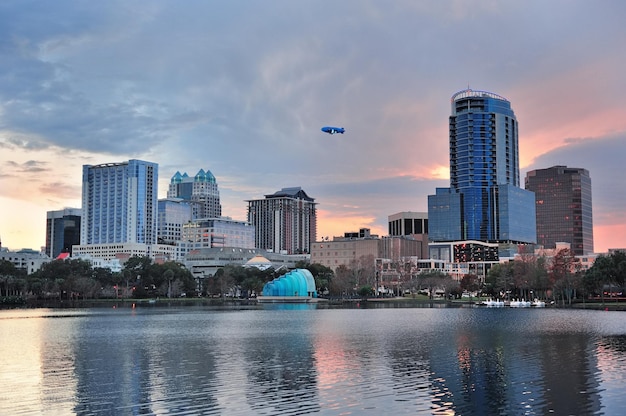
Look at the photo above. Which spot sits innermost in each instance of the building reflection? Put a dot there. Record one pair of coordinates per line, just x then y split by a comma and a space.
36, 364
570, 369
355, 361
501, 372
280, 366
125, 366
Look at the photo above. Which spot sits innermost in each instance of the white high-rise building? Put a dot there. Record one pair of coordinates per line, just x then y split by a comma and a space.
119, 203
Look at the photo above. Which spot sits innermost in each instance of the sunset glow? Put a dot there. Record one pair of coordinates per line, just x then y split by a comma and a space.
104, 82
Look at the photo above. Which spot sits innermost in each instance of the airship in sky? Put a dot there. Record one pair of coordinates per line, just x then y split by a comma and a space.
333, 130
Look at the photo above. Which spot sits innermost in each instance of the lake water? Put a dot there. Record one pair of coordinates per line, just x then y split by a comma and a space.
302, 360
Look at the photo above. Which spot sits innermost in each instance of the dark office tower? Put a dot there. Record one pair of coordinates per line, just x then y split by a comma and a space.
201, 191
563, 203
285, 221
484, 201
62, 231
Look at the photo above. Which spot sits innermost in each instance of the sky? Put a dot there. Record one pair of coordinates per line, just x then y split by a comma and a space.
242, 88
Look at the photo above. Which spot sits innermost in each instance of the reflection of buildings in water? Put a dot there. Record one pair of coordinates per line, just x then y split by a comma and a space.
408, 357
108, 374
183, 367
36, 365
499, 371
370, 367
123, 366
611, 360
570, 368
347, 361
280, 368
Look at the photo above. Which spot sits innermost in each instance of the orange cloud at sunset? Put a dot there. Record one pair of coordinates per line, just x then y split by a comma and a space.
331, 225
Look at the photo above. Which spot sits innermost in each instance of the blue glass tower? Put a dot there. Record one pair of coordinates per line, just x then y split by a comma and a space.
120, 203
484, 201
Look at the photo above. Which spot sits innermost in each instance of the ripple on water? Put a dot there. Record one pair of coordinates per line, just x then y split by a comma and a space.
359, 361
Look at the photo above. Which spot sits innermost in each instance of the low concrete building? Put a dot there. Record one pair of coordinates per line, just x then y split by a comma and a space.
123, 251
26, 259
205, 262
354, 246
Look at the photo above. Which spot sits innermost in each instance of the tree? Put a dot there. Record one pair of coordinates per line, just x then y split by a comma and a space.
500, 280
606, 271
564, 274
432, 280
363, 270
169, 276
470, 283
343, 282
365, 291
137, 273
8, 274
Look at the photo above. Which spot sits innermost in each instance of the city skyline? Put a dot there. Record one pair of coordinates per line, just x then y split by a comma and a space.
244, 91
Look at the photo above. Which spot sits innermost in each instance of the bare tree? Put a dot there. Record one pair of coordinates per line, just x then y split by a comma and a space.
565, 274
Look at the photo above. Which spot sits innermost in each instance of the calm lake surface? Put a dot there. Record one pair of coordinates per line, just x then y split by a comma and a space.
302, 360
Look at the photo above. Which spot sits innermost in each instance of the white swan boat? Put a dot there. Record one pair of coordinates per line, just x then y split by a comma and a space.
493, 303
519, 303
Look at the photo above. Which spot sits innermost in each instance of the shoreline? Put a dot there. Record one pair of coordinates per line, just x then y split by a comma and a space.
17, 303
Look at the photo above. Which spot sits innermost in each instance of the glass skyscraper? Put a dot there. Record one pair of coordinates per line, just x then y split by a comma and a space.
484, 201
564, 212
120, 203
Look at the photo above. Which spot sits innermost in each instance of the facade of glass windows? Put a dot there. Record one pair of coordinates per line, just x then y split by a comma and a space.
172, 215
215, 232
120, 203
461, 258
296, 283
285, 221
444, 215
62, 231
484, 201
201, 191
563, 205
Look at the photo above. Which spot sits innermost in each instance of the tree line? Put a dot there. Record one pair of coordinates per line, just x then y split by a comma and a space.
76, 279
140, 278
560, 278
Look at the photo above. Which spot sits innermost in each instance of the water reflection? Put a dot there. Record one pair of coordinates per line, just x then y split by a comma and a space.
142, 364
301, 360
280, 364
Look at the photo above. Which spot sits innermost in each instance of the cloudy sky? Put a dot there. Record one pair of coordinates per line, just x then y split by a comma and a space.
241, 88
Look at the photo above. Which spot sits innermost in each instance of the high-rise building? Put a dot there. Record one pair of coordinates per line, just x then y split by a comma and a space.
172, 215
201, 191
62, 231
284, 222
120, 203
563, 205
484, 201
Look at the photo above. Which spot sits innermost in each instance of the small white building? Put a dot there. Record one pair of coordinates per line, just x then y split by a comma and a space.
26, 259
